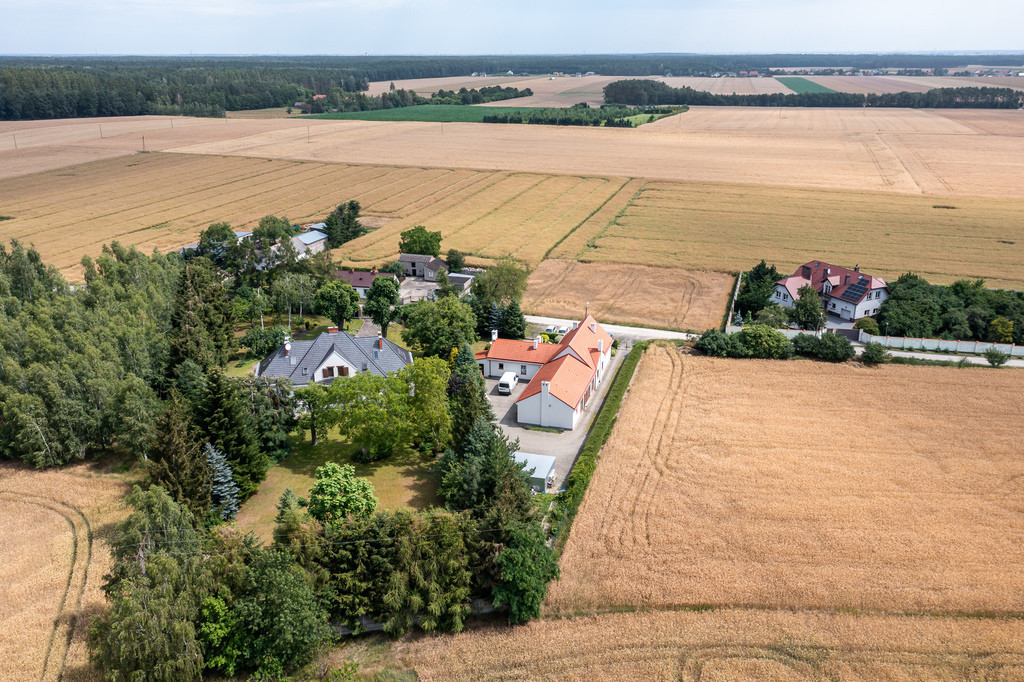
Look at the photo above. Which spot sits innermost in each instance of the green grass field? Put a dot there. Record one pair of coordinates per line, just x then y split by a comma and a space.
403, 481
801, 85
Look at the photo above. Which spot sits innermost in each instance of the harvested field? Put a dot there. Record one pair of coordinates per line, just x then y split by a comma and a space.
729, 86
804, 485
629, 294
863, 85
52, 560
727, 644
728, 228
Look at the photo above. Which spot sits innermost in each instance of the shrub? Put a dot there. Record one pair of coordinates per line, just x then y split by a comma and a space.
764, 342
806, 344
868, 324
996, 357
719, 344
835, 347
875, 353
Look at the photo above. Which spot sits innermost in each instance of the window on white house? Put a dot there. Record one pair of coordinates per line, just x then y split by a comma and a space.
777, 294
522, 369
501, 365
785, 297
833, 306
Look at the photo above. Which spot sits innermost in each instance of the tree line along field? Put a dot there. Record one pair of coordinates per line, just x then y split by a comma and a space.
803, 485
52, 561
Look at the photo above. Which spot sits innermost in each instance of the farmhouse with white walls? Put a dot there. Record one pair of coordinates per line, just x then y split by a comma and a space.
847, 294
563, 376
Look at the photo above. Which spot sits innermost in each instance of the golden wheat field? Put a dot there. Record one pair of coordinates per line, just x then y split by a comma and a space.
52, 560
629, 294
730, 227
727, 644
804, 485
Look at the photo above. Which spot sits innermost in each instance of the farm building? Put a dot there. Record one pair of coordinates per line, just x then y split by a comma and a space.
848, 294
361, 281
563, 376
309, 243
333, 354
541, 469
419, 265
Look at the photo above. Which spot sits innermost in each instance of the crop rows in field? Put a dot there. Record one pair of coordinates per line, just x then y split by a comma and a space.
522, 214
803, 485
728, 228
629, 294
726, 644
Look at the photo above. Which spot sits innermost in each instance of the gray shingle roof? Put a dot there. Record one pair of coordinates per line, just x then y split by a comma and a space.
357, 352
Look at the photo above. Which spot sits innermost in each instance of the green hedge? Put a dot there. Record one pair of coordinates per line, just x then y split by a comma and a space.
568, 501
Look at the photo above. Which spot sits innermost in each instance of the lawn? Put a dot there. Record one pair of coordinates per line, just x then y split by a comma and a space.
803, 86
401, 481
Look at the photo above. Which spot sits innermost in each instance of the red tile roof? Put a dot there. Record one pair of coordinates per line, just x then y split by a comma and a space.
816, 273
358, 278
512, 350
575, 364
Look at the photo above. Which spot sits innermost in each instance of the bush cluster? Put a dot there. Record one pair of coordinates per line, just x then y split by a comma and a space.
761, 341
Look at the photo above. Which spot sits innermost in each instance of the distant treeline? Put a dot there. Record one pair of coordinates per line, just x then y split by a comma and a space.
647, 92
342, 101
55, 87
176, 87
610, 116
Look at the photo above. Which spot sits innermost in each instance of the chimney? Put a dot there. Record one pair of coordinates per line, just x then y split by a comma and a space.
545, 390
828, 271
374, 270
494, 335
856, 268
847, 280
351, 271
536, 341
593, 327
380, 340
332, 330
287, 349
575, 324
600, 345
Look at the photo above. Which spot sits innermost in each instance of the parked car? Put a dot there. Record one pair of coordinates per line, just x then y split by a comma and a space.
507, 382
563, 330
549, 329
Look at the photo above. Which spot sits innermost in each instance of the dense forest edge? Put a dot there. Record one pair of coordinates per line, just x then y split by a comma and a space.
638, 92
66, 87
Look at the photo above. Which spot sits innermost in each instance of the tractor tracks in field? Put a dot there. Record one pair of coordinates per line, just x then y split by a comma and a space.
66, 618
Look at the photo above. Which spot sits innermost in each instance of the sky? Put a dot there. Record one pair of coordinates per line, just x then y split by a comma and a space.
429, 27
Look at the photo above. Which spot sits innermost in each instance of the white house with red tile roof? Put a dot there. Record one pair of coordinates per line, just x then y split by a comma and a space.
847, 294
563, 376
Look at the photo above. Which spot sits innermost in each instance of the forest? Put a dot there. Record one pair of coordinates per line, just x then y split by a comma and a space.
647, 92
61, 87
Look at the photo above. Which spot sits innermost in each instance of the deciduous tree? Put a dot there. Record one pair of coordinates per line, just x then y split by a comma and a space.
338, 493
419, 240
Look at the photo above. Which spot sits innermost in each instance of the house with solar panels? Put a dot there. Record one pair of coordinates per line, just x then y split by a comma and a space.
846, 294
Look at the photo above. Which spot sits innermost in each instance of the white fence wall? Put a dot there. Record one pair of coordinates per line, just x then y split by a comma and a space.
907, 343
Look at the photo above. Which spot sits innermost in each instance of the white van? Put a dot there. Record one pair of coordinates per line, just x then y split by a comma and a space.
507, 382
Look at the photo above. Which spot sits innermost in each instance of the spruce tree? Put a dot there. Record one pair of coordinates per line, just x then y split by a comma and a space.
467, 398
201, 321
513, 324
177, 463
225, 421
223, 489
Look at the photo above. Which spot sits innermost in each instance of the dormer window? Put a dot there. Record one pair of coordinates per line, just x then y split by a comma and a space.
305, 371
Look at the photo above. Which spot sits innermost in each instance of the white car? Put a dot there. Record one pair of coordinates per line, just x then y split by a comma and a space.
550, 329
563, 330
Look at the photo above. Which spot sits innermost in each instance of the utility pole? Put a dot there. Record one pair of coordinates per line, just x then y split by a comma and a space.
15, 136
101, 130
307, 134
143, 143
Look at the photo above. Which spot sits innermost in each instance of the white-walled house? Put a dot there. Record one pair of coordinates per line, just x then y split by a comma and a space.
563, 376
847, 294
331, 355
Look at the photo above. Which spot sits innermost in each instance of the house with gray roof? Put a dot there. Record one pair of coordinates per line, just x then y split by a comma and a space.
331, 355
309, 243
419, 265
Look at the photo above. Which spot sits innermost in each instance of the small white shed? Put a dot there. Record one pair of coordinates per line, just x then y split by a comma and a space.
541, 469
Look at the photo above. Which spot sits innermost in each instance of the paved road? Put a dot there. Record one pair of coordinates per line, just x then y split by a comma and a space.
951, 357
617, 330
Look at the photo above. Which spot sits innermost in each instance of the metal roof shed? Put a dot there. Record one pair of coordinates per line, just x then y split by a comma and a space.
542, 466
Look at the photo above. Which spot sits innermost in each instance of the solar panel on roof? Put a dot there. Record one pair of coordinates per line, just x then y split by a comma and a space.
854, 292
